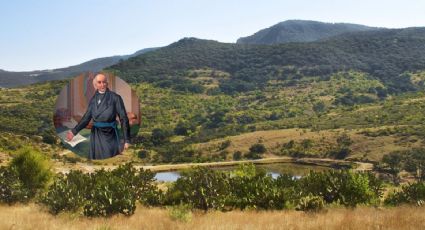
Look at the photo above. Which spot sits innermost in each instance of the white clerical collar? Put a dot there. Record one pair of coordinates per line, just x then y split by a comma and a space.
101, 92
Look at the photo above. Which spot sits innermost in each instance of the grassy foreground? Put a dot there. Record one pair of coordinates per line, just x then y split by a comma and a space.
33, 216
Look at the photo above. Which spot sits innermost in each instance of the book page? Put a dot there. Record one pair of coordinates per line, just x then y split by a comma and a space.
76, 140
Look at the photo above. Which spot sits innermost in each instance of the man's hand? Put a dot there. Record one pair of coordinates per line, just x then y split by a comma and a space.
126, 146
69, 136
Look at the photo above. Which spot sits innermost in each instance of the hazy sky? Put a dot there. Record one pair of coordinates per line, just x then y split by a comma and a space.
47, 34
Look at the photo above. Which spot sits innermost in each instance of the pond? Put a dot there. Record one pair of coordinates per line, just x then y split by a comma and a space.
275, 169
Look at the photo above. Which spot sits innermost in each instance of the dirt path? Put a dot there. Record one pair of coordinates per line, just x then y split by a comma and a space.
364, 166
89, 167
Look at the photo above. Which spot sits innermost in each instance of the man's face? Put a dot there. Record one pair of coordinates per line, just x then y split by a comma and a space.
101, 82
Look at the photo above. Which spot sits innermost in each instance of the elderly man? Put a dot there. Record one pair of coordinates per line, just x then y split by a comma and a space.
103, 108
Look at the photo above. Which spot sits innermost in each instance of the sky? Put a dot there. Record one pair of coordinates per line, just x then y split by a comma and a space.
48, 34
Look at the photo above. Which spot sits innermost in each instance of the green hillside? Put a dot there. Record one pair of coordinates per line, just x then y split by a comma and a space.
174, 123
383, 54
300, 31
356, 96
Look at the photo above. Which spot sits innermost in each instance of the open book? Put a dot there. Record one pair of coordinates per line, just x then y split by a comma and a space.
76, 140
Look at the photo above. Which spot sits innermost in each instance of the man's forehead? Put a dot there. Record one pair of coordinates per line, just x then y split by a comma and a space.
100, 77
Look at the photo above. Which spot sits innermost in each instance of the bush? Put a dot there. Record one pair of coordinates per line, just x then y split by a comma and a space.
159, 136
68, 192
103, 193
200, 187
225, 144
394, 162
33, 169
344, 187
255, 151
143, 154
311, 203
12, 189
141, 181
289, 188
184, 128
409, 194
258, 148
237, 155
49, 137
252, 155
253, 188
413, 161
109, 195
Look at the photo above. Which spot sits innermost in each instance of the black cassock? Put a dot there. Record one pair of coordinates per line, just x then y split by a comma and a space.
104, 141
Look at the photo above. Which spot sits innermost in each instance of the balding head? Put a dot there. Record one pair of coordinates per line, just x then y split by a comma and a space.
100, 82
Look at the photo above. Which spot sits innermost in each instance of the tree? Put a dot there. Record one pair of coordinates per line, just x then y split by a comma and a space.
319, 107
394, 162
344, 140
415, 163
258, 148
159, 136
343, 148
183, 128
237, 155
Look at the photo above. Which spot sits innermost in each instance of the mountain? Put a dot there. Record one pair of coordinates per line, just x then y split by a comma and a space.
383, 54
300, 31
10, 79
310, 95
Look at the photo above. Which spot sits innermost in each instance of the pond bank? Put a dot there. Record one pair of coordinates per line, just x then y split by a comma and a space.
89, 167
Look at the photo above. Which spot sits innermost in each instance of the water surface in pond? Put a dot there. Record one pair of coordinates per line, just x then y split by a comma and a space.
275, 169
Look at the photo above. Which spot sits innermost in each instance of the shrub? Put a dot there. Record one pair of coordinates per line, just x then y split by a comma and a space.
394, 162
237, 155
109, 195
143, 154
68, 192
11, 188
200, 187
159, 136
255, 151
340, 153
343, 186
141, 181
410, 194
49, 137
225, 144
311, 203
289, 188
103, 193
252, 155
253, 188
117, 191
258, 148
184, 128
33, 169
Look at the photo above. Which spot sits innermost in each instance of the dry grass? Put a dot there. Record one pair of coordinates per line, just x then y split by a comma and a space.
372, 148
271, 139
34, 217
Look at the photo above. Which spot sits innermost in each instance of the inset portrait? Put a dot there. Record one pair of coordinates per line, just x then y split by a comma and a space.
96, 115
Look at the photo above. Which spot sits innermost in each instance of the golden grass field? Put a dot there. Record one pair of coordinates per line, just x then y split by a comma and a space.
33, 216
